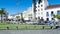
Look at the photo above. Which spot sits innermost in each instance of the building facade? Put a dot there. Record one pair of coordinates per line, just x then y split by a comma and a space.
28, 14
40, 9
4, 17
46, 11
15, 17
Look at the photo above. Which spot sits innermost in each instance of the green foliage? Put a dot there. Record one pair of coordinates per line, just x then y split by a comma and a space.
22, 19
24, 26
57, 16
3, 23
17, 17
2, 11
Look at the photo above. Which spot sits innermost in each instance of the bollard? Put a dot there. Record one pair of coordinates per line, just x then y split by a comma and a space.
34, 27
43, 27
17, 27
26, 27
7, 28
51, 27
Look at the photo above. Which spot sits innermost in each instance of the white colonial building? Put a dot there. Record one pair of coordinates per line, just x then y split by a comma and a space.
46, 11
42, 9
15, 16
28, 14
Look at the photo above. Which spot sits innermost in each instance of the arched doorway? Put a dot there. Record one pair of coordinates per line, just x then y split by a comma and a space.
47, 19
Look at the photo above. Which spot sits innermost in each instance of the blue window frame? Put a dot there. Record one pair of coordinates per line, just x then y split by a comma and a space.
52, 13
47, 14
58, 12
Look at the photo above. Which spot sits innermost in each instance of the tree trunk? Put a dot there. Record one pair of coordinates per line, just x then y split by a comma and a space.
1, 18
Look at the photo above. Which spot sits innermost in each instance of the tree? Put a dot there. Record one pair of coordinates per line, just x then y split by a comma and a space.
22, 19
2, 11
57, 16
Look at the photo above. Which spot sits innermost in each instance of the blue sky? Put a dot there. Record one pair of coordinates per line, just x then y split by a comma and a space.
14, 6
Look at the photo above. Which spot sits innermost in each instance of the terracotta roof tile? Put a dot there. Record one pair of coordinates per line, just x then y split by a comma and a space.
53, 6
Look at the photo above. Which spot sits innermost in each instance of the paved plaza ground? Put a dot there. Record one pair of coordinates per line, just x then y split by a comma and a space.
52, 31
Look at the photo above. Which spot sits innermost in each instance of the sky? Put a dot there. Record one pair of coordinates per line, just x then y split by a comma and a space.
18, 6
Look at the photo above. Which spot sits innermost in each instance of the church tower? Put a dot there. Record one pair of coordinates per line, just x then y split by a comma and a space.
34, 9
38, 7
43, 4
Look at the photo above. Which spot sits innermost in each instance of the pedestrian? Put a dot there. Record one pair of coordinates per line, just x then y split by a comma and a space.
7, 28
17, 27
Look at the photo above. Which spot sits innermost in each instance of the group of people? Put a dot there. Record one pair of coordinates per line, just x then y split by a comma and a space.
49, 22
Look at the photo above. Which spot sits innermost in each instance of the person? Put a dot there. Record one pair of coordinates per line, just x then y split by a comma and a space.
17, 27
38, 20
7, 28
51, 22
42, 20
45, 21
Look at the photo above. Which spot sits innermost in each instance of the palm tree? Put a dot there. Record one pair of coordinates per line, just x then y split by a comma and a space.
22, 19
2, 11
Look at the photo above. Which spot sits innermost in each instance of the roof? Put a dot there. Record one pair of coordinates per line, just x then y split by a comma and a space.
53, 6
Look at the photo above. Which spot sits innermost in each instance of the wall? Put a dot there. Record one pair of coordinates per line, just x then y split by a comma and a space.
49, 10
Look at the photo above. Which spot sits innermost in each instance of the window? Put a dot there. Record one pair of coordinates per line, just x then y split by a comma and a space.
38, 17
38, 13
41, 12
38, 6
41, 5
30, 14
52, 13
42, 19
4, 19
58, 12
47, 19
52, 18
4, 16
41, 9
47, 14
